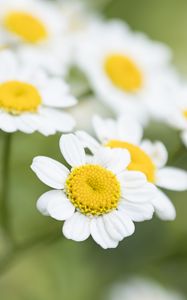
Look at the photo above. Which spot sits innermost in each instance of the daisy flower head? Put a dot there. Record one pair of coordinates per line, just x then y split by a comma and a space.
31, 22
125, 69
95, 195
147, 157
30, 100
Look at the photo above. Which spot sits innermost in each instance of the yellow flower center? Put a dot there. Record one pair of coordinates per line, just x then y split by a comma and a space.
123, 72
185, 113
93, 190
26, 26
17, 97
140, 161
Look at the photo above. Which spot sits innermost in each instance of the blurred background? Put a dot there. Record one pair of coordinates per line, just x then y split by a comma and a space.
56, 268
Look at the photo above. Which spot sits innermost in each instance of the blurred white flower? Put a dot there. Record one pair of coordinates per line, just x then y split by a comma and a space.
30, 21
142, 289
96, 196
127, 71
146, 156
31, 101
36, 30
177, 116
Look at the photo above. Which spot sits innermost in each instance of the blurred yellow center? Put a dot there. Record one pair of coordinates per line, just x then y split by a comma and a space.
26, 26
185, 113
17, 97
123, 72
93, 190
140, 161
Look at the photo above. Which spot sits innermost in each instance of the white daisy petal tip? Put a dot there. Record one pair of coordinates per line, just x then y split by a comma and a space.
72, 150
172, 178
100, 234
77, 227
163, 206
184, 137
50, 171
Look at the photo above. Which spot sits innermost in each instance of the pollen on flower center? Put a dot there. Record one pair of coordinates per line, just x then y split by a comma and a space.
123, 72
26, 26
17, 97
93, 190
140, 161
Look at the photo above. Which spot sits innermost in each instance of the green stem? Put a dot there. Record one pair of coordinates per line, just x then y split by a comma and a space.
5, 213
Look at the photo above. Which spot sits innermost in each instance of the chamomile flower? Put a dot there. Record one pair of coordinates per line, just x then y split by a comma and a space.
146, 156
126, 70
35, 29
142, 289
30, 101
30, 21
96, 196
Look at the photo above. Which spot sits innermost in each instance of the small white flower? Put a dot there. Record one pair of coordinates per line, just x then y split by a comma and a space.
126, 70
30, 101
30, 22
98, 196
146, 156
142, 289
35, 29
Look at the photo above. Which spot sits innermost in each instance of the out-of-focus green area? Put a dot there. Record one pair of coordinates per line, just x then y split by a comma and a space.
64, 269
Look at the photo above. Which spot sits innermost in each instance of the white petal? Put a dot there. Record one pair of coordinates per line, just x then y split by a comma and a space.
116, 160
61, 121
100, 234
138, 212
59, 207
39, 122
50, 171
184, 137
163, 206
72, 150
42, 203
132, 179
157, 151
56, 93
129, 130
104, 129
118, 225
172, 179
139, 194
77, 228
88, 141
24, 125
7, 122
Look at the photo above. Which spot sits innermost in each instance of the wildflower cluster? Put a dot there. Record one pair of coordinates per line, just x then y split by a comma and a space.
113, 180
